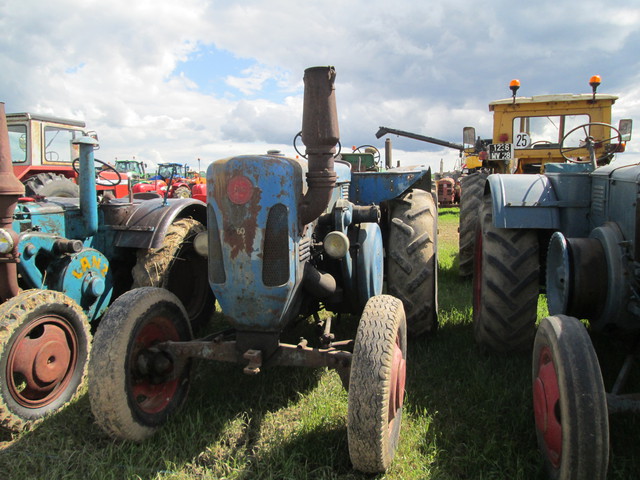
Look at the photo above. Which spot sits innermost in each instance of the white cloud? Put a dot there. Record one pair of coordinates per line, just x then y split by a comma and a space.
423, 67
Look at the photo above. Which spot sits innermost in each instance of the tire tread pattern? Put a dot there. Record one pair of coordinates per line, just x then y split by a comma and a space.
371, 445
505, 312
412, 259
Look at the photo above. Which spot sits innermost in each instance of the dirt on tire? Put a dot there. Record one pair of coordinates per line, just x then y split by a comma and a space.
176, 267
373, 436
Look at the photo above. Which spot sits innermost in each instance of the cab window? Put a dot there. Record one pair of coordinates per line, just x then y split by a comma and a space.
547, 131
18, 143
58, 146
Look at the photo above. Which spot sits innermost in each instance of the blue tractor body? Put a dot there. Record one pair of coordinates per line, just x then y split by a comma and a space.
286, 239
575, 232
258, 251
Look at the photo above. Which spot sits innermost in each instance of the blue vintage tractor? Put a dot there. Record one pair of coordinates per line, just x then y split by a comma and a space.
62, 262
280, 250
576, 231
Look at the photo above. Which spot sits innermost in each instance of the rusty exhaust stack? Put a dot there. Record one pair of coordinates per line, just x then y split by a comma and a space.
320, 134
10, 190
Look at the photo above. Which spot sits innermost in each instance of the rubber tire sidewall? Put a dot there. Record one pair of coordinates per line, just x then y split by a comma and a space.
109, 366
583, 401
371, 445
14, 315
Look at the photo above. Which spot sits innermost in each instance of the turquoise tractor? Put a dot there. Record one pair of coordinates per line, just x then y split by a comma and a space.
63, 261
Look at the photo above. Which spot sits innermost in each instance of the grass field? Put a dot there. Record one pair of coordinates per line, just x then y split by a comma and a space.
468, 415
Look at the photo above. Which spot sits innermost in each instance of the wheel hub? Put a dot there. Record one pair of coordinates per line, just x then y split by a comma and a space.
398, 380
41, 362
546, 398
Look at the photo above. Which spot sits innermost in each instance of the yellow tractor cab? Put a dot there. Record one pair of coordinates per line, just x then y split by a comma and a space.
529, 132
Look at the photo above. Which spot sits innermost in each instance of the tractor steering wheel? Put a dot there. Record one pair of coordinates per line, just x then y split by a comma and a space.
590, 143
376, 153
110, 182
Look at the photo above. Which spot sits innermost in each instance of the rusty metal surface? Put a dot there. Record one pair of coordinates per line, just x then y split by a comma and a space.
240, 231
285, 355
10, 189
320, 134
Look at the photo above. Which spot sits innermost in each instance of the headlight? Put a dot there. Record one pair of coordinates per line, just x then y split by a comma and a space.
336, 244
201, 244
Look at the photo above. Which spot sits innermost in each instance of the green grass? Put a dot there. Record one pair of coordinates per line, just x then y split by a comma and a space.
468, 415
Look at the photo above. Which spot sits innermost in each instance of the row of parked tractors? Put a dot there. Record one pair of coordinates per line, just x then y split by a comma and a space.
279, 239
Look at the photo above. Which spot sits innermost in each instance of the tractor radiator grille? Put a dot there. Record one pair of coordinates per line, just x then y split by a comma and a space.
216, 264
598, 199
275, 267
304, 250
344, 190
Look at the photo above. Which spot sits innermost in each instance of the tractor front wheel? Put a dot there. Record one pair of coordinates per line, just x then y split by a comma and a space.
134, 387
44, 347
412, 259
176, 266
505, 285
376, 384
569, 401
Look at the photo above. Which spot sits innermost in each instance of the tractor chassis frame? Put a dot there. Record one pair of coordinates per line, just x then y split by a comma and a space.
336, 356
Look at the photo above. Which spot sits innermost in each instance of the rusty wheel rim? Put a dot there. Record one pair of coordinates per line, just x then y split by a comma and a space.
42, 361
398, 381
152, 394
546, 407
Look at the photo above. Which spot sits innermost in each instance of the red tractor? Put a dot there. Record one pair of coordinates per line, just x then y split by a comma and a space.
44, 157
171, 178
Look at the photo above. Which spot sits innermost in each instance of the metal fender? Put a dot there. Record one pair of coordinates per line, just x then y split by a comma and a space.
375, 187
148, 223
523, 201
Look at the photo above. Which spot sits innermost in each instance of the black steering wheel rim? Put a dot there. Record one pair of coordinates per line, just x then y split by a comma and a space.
110, 182
590, 141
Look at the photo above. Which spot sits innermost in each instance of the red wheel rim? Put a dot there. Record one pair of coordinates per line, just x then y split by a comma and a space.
546, 407
42, 361
398, 380
152, 397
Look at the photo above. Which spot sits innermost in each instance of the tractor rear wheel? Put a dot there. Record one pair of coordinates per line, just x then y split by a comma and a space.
44, 347
176, 266
505, 285
376, 384
412, 259
133, 387
569, 401
472, 189
51, 185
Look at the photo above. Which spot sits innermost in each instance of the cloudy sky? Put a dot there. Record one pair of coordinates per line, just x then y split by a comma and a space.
180, 80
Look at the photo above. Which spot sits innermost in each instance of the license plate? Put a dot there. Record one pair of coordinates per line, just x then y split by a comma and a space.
500, 151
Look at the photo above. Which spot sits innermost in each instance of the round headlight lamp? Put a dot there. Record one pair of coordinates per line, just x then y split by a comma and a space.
336, 244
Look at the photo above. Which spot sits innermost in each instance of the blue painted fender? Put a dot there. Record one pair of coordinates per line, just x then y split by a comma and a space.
523, 201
